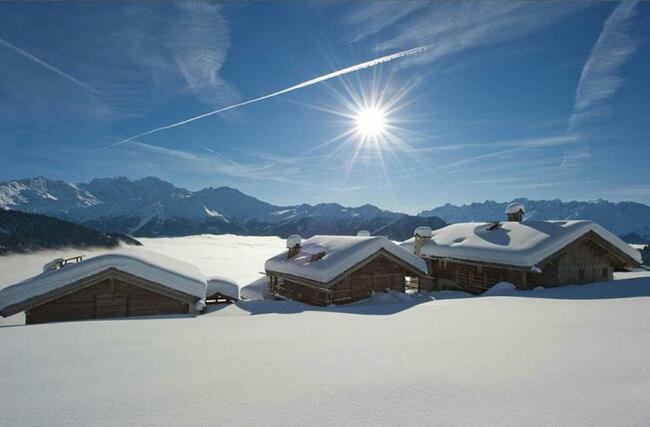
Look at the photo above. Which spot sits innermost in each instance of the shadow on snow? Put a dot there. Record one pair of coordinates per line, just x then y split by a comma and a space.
395, 302
392, 303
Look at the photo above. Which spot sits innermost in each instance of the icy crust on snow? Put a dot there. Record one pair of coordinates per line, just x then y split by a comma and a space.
223, 286
341, 253
511, 243
151, 266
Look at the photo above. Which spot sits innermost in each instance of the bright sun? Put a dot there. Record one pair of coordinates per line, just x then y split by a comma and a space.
370, 121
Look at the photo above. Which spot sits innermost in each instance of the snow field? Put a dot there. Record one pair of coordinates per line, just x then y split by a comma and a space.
575, 355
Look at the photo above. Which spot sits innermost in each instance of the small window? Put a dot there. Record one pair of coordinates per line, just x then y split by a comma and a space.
581, 275
316, 257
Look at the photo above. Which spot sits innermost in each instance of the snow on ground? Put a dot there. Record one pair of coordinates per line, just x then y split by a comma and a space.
574, 355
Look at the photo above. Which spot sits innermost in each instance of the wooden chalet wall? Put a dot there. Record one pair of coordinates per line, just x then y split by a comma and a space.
583, 262
473, 278
105, 299
586, 260
292, 289
378, 275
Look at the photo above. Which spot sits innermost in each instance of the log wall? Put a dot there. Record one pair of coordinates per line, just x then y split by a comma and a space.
579, 263
379, 275
106, 299
584, 263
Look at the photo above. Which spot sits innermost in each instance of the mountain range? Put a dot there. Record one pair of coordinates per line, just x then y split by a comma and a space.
152, 207
630, 220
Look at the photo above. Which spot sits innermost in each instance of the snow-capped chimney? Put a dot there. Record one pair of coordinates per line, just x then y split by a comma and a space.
293, 244
515, 212
363, 233
421, 234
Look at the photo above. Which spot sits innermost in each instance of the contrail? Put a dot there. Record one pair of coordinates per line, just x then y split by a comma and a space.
313, 81
45, 64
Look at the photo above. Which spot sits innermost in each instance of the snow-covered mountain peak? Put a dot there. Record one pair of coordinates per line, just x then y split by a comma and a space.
151, 207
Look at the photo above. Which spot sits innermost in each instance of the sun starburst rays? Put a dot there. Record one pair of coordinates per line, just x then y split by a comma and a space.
373, 141
370, 122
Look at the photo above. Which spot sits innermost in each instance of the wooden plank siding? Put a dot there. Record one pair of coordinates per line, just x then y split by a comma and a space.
379, 274
112, 294
585, 260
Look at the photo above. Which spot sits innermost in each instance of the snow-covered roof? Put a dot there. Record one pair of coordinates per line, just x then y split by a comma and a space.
293, 240
256, 290
511, 243
154, 267
515, 207
423, 231
226, 287
341, 254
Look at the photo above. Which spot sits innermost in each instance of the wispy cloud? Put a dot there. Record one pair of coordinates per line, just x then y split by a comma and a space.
451, 27
46, 65
157, 53
177, 154
575, 158
375, 17
600, 77
539, 142
178, 47
199, 40
216, 164
507, 154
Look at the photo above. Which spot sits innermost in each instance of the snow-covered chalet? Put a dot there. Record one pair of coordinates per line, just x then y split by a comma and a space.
119, 284
474, 256
325, 270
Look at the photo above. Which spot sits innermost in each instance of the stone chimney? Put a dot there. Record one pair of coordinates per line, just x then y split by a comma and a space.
421, 235
293, 244
515, 212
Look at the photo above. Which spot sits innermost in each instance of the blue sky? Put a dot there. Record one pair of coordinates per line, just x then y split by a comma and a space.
534, 99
